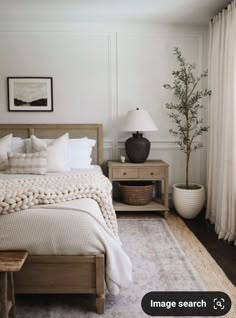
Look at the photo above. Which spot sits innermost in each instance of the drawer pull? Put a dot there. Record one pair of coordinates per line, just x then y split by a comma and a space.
151, 173
124, 173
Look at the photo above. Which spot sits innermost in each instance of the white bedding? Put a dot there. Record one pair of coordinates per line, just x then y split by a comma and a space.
70, 228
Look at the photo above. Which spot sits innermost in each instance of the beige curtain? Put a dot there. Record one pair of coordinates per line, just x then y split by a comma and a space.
221, 209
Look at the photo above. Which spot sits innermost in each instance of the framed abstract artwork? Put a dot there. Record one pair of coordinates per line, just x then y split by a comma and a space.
30, 94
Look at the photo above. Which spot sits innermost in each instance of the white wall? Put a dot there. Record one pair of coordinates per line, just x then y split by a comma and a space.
99, 73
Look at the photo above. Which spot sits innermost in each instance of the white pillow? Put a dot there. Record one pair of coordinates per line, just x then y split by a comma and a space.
80, 151
28, 146
18, 145
57, 151
5, 147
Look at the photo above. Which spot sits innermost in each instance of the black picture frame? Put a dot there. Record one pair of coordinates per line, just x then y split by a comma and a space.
30, 94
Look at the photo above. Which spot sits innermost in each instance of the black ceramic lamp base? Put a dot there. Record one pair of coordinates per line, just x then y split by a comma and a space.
137, 148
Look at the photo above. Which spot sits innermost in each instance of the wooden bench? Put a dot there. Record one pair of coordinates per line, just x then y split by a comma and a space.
10, 261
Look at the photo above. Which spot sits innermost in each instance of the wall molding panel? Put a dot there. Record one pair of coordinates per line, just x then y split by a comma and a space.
99, 73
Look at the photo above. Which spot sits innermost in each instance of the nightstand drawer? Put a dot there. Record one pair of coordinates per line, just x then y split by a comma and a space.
124, 173
153, 173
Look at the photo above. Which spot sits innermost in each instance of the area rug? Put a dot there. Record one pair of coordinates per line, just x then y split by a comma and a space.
158, 264
210, 273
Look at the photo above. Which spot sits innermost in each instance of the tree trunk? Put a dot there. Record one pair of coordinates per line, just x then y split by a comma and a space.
188, 146
187, 168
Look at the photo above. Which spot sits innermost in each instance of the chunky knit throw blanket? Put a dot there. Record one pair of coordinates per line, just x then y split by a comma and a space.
23, 192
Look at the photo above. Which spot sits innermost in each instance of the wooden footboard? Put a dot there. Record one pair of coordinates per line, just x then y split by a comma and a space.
63, 275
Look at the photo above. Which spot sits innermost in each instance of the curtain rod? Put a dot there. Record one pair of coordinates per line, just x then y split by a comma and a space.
220, 12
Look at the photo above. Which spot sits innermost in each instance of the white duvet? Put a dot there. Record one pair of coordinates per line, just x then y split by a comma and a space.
70, 228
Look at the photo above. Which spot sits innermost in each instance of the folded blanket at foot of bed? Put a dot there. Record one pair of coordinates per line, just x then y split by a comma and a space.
70, 228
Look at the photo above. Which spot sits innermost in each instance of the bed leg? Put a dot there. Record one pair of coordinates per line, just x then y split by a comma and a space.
100, 302
100, 288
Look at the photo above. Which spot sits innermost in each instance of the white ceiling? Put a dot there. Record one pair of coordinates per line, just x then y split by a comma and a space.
117, 11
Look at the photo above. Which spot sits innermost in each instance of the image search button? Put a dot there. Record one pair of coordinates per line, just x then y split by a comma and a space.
186, 303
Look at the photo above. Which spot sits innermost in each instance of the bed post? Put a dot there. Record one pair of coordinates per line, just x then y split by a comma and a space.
100, 290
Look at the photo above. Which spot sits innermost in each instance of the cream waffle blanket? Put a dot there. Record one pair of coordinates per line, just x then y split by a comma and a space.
70, 228
23, 192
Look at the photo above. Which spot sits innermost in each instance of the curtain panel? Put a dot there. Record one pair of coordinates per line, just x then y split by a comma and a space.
221, 180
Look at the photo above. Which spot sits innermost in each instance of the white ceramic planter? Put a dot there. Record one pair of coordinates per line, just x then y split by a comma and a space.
188, 202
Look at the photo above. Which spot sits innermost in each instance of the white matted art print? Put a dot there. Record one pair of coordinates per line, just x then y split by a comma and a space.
30, 94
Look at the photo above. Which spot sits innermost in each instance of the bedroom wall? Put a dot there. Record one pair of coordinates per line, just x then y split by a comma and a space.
99, 73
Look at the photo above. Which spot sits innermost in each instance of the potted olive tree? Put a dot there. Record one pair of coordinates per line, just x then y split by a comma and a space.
188, 198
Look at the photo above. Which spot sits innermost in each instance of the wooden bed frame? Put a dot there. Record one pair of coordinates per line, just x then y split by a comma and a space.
62, 274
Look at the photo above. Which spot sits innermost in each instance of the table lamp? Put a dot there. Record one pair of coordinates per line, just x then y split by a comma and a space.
137, 147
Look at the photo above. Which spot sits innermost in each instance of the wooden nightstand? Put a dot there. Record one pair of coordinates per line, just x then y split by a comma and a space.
151, 170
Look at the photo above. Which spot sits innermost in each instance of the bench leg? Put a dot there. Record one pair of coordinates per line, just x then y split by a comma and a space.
7, 296
100, 300
11, 295
3, 295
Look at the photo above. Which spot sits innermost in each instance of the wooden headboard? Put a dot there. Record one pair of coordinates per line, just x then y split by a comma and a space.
94, 131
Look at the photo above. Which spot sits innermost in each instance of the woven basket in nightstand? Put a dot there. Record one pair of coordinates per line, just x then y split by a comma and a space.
136, 193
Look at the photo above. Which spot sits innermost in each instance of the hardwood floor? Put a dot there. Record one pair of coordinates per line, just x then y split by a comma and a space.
224, 253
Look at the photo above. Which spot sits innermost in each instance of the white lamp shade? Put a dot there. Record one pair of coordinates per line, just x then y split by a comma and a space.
138, 120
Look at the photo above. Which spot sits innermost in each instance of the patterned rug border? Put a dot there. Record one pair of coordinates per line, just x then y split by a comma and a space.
202, 261
204, 266
181, 251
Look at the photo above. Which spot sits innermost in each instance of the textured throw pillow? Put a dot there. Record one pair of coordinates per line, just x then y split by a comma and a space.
5, 147
57, 152
27, 163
